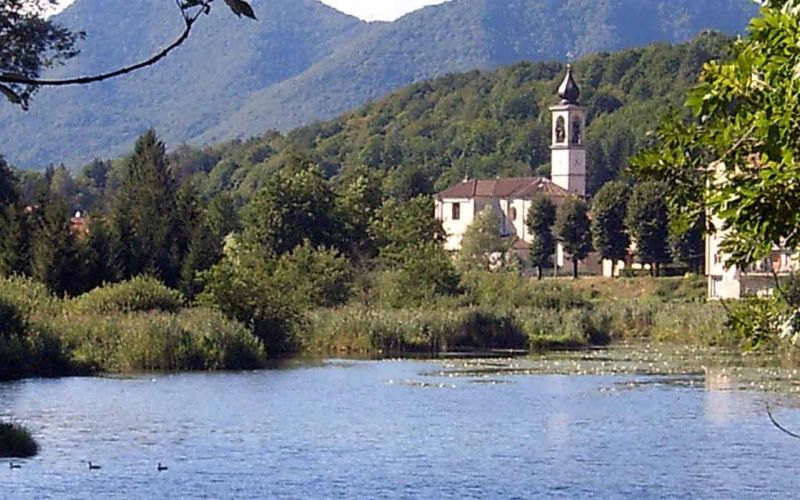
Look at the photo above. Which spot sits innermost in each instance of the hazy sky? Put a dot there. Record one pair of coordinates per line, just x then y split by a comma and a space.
370, 10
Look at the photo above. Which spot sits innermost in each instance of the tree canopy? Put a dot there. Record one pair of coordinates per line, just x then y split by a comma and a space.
738, 156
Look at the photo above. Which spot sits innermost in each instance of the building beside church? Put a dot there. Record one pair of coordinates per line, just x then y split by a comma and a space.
457, 206
731, 282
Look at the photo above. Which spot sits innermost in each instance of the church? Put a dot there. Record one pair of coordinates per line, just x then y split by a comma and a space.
457, 206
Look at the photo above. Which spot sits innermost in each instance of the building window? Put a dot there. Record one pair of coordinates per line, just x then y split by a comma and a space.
512, 214
456, 211
577, 137
561, 130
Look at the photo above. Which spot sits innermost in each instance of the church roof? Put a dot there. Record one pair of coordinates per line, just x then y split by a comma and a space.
568, 91
514, 187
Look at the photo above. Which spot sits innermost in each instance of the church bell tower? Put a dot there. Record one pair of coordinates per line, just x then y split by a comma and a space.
568, 152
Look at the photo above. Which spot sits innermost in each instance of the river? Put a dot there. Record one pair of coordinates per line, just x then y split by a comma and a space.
618, 424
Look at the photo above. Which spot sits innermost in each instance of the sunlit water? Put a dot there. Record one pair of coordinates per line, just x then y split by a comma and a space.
607, 425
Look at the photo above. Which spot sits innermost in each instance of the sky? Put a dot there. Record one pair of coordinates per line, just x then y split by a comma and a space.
368, 10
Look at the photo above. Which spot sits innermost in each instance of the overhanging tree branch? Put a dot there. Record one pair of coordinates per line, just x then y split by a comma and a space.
19, 79
190, 10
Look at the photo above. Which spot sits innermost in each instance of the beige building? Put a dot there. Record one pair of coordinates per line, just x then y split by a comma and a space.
457, 206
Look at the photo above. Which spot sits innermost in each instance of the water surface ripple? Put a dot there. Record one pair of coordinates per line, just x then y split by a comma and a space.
403, 429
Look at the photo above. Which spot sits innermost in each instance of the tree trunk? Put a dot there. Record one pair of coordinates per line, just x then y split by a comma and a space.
539, 273
575, 268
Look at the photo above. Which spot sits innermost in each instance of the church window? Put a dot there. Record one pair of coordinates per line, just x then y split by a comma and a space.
456, 211
561, 133
576, 132
512, 214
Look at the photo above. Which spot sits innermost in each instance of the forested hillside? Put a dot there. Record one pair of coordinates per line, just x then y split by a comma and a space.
482, 124
303, 61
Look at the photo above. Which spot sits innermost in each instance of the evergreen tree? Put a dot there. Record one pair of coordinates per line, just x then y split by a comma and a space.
647, 221
54, 254
205, 250
14, 242
574, 231
541, 217
143, 221
8, 184
96, 256
482, 243
609, 208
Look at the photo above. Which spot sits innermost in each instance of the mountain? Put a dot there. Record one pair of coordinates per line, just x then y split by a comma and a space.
304, 61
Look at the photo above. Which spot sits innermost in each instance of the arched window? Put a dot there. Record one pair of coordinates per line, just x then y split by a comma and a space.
561, 130
512, 214
577, 133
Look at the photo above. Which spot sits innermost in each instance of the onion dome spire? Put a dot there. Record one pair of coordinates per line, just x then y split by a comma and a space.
568, 91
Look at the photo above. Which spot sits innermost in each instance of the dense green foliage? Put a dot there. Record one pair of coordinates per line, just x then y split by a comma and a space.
431, 134
573, 230
16, 441
647, 222
304, 61
139, 294
738, 157
482, 247
609, 209
541, 218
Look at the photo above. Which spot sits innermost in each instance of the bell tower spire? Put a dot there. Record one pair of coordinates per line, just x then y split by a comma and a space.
568, 153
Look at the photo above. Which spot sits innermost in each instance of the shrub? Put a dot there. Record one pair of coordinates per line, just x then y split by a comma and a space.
511, 290
313, 277
16, 442
140, 294
30, 298
193, 339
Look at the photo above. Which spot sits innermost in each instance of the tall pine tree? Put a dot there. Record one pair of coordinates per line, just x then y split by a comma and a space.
143, 217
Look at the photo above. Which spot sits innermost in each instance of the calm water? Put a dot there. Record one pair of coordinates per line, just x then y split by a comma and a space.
402, 429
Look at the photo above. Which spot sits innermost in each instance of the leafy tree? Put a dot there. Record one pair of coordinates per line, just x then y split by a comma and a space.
399, 227
358, 199
241, 285
482, 243
746, 127
647, 222
541, 218
425, 273
609, 209
573, 230
688, 247
313, 277
31, 43
296, 204
143, 222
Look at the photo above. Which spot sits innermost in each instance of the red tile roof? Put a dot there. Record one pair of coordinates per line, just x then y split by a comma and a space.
516, 187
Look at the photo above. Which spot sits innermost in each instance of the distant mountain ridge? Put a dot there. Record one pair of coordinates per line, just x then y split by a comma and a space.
304, 61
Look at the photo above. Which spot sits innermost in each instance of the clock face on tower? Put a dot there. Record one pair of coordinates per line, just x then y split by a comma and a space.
577, 164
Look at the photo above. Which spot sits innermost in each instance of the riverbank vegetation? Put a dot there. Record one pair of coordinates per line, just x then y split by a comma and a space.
16, 441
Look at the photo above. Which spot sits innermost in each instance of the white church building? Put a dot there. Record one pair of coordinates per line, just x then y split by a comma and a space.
457, 206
